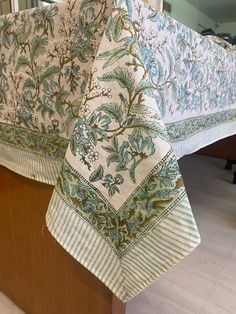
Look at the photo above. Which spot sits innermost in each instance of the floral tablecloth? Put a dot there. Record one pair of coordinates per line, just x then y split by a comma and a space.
101, 98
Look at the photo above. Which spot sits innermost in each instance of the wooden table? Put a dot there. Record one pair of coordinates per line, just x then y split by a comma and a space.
35, 271
225, 149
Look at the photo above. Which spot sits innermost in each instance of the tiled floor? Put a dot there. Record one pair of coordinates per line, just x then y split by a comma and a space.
205, 282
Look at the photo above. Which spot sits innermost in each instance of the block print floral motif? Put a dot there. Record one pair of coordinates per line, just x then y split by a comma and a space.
113, 119
156, 64
120, 117
128, 115
155, 197
48, 88
177, 61
45, 59
110, 121
182, 129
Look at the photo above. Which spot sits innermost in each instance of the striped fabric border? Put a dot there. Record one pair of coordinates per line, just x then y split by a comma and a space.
30, 165
166, 244
85, 244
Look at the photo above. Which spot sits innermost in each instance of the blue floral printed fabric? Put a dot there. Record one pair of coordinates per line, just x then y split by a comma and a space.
112, 93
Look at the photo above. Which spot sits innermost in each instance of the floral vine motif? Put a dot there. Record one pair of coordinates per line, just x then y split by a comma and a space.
109, 121
160, 191
45, 59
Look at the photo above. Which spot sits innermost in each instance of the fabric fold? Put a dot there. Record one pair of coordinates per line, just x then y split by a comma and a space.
120, 198
104, 97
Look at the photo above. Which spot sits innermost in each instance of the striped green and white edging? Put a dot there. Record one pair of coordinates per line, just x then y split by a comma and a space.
165, 245
84, 243
30, 165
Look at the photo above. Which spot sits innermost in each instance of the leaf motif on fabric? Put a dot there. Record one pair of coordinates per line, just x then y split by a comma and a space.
50, 72
144, 87
22, 62
38, 47
113, 55
113, 110
122, 76
151, 128
97, 174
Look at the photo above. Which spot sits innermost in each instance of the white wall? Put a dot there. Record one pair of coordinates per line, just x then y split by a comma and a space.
187, 14
227, 28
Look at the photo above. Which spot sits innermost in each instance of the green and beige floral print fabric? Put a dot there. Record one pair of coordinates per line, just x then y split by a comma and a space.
120, 85
120, 183
46, 56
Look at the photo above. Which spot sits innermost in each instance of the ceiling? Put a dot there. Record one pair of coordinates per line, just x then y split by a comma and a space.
219, 10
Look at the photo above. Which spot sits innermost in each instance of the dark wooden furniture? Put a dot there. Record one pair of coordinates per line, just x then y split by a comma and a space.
225, 149
35, 271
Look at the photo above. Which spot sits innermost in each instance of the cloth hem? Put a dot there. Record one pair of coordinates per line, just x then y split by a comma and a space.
84, 244
126, 276
29, 165
203, 139
165, 246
